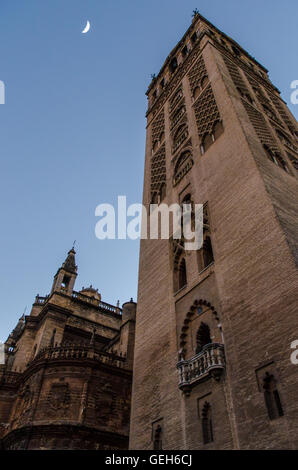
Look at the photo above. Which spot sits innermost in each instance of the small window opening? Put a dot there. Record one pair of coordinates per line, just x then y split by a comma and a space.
173, 64
207, 427
182, 274
203, 337
65, 282
272, 398
157, 444
184, 51
194, 37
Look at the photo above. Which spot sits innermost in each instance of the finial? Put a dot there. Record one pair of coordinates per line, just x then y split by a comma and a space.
118, 303
195, 12
74, 244
23, 316
131, 299
153, 76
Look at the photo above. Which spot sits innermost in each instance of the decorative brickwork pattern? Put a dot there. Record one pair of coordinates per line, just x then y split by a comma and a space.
178, 115
264, 100
206, 112
197, 74
235, 74
158, 128
176, 98
260, 126
278, 105
158, 170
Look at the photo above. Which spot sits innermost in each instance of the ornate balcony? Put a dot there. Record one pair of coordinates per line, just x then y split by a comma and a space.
209, 362
78, 352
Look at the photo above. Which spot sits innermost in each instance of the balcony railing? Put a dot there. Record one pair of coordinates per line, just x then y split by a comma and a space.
84, 298
41, 300
210, 361
8, 377
92, 300
79, 352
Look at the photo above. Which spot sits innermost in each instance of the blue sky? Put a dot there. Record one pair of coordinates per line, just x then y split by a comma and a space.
73, 126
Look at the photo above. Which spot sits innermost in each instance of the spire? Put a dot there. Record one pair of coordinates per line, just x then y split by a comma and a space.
65, 277
70, 262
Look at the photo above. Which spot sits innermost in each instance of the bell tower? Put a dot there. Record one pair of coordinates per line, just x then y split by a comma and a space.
212, 365
65, 277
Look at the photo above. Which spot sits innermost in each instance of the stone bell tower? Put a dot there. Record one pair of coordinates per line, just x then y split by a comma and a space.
65, 277
214, 327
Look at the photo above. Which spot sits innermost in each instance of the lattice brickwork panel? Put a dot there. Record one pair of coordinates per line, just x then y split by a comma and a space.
176, 99
158, 127
206, 112
264, 100
178, 114
197, 73
260, 125
158, 169
278, 105
235, 74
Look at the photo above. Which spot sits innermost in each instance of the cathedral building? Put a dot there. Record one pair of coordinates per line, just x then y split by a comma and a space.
66, 382
214, 328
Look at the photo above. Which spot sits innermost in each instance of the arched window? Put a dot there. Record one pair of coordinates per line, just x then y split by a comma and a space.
207, 141
157, 443
271, 396
207, 252
283, 138
181, 129
173, 64
196, 92
154, 198
161, 137
187, 200
162, 192
203, 337
217, 130
182, 281
207, 429
281, 163
180, 135
183, 165
204, 81
236, 51
155, 146
276, 158
65, 281
269, 153
293, 160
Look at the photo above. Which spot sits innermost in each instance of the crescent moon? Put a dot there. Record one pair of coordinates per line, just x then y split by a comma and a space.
87, 27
